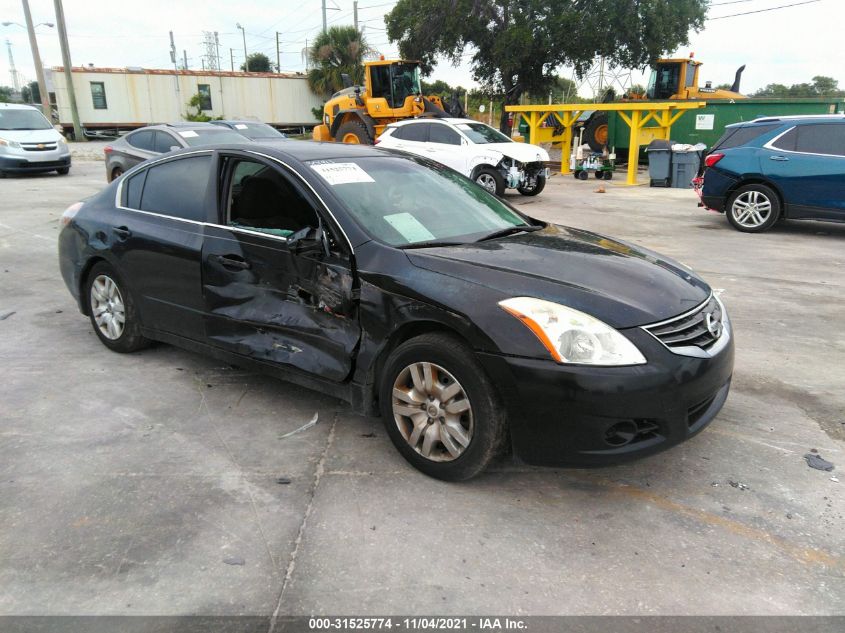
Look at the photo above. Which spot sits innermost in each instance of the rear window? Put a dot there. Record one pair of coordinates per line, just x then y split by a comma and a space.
211, 136
177, 188
737, 136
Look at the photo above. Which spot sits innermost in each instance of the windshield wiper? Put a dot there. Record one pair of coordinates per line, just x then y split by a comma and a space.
432, 244
525, 228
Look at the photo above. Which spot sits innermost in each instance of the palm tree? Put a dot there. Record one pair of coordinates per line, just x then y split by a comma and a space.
340, 50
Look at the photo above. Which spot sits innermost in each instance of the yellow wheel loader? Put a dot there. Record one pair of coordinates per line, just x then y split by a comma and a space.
391, 92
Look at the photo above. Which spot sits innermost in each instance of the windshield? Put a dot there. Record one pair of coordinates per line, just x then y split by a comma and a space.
402, 202
258, 130
23, 120
481, 133
211, 136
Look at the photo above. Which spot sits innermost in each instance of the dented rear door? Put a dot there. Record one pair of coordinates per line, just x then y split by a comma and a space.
273, 305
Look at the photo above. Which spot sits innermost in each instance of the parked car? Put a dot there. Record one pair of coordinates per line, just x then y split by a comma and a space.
476, 150
253, 130
777, 168
319, 264
29, 143
155, 140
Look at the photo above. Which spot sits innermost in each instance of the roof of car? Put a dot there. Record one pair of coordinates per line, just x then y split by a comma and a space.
451, 120
795, 118
298, 151
245, 121
18, 106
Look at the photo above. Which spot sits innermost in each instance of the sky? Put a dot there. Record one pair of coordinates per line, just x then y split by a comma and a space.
789, 45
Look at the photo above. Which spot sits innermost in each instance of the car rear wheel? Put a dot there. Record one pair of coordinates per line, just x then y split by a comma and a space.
439, 407
491, 180
753, 208
112, 310
537, 184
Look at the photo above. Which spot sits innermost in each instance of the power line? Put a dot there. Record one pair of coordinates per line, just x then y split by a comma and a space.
783, 6
719, 4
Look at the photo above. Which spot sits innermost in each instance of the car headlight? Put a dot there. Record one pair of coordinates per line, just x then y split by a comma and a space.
7, 143
62, 140
572, 336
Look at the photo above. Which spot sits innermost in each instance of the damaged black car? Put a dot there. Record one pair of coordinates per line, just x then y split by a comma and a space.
412, 293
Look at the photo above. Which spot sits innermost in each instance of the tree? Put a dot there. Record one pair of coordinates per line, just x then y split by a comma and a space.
338, 51
821, 86
258, 63
517, 45
199, 115
30, 93
826, 86
6, 94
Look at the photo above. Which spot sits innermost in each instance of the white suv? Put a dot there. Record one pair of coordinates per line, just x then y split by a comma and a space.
475, 149
29, 143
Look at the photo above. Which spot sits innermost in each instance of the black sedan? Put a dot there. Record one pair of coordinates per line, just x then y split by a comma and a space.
409, 291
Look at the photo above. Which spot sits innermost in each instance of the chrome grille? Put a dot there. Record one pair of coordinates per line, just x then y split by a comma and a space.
39, 147
700, 328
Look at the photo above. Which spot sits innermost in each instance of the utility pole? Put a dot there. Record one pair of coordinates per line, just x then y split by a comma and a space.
355, 14
232, 58
36, 58
278, 55
246, 57
184, 59
217, 45
78, 134
324, 16
16, 82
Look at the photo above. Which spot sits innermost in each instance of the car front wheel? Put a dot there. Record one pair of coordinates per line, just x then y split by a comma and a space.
533, 185
439, 408
491, 180
112, 310
753, 208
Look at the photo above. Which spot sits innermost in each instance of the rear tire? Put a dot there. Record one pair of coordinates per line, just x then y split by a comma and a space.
539, 185
753, 208
491, 180
595, 134
356, 130
582, 175
608, 175
108, 301
440, 409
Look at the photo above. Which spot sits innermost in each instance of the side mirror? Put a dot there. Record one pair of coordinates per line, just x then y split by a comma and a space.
309, 241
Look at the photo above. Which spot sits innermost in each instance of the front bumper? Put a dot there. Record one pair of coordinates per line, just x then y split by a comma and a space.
567, 415
24, 162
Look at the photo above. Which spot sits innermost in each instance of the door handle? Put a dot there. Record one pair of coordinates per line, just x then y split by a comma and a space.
779, 158
122, 232
232, 261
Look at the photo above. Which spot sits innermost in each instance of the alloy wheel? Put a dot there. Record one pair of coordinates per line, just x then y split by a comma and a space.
487, 181
432, 412
107, 307
751, 209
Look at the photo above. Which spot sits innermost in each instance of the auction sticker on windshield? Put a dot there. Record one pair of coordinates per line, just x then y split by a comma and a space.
341, 173
188, 134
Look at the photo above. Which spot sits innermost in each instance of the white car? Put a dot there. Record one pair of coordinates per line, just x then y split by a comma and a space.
29, 143
475, 149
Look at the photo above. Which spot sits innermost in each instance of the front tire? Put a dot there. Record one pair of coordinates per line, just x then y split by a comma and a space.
753, 208
112, 310
536, 188
491, 180
64, 171
354, 133
439, 408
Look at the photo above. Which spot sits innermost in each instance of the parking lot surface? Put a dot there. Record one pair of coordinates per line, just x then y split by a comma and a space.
163, 482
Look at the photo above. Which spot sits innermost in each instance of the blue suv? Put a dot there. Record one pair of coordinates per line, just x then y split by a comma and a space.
777, 168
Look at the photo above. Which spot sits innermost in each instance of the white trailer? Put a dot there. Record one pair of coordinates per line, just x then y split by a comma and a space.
111, 100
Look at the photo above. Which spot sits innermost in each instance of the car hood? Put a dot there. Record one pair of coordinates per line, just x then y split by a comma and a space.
31, 136
619, 283
523, 152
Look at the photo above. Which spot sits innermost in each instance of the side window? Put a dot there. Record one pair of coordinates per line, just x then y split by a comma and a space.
261, 198
787, 141
177, 188
145, 139
164, 141
98, 95
204, 91
690, 75
416, 132
440, 133
821, 138
132, 190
